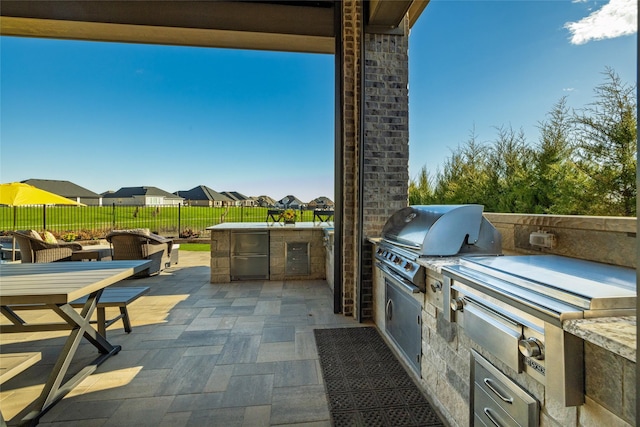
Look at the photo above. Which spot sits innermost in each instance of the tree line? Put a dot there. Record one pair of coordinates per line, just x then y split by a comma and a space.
584, 162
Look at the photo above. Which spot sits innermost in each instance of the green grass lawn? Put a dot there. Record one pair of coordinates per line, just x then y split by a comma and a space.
196, 247
96, 221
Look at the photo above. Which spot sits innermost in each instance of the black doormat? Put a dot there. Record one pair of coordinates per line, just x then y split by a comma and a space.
366, 385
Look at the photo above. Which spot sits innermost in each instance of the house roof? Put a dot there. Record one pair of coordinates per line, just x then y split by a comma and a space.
265, 199
290, 200
64, 188
234, 195
140, 191
322, 200
202, 192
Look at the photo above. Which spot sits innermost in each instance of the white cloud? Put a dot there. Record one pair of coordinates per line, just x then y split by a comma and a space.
568, 89
616, 18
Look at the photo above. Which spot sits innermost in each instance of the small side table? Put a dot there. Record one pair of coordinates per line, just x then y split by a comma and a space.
91, 255
85, 255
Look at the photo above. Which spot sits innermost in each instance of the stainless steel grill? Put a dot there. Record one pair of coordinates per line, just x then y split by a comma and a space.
514, 306
432, 230
424, 231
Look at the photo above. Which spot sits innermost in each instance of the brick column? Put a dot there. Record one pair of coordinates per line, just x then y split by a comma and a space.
386, 141
376, 174
351, 35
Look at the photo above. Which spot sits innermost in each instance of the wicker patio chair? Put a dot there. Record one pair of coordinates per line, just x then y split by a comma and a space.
141, 244
35, 250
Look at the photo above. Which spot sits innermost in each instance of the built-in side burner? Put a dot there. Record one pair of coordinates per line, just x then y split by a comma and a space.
514, 306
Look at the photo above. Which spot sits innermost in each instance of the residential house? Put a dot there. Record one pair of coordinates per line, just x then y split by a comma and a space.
290, 202
203, 196
67, 189
142, 196
238, 199
264, 201
321, 202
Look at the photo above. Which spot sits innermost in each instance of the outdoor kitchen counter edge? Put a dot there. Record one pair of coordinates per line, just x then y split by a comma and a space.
615, 334
268, 226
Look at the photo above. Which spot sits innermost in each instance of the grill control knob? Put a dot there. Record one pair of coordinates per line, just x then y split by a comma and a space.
408, 266
457, 304
531, 347
436, 285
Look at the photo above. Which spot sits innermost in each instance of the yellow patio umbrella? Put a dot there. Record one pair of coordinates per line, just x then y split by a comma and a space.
20, 194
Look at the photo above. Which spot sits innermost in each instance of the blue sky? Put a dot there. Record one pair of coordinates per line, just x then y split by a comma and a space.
107, 115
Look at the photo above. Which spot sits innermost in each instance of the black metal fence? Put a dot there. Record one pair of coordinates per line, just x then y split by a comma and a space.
94, 222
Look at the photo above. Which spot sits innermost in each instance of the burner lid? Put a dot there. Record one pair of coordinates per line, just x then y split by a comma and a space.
439, 230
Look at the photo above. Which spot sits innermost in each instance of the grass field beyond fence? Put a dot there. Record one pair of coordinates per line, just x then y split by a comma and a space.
94, 222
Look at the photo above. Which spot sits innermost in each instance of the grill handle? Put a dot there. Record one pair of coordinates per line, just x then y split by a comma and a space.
397, 279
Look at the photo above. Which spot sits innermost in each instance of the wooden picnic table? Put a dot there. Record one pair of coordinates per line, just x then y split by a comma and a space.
54, 286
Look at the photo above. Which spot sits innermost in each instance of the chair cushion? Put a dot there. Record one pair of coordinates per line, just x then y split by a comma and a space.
50, 238
34, 234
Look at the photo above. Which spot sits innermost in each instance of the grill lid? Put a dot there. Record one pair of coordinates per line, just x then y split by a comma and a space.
439, 230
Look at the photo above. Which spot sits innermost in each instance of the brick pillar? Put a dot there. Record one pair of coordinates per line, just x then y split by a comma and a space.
386, 141
351, 36
382, 184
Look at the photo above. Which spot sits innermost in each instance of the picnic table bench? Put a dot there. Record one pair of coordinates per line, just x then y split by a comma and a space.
113, 297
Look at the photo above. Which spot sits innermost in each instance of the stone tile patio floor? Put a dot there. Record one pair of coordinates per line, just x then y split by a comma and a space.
237, 354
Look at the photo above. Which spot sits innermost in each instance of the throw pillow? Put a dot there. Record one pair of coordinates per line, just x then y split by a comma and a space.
50, 238
34, 234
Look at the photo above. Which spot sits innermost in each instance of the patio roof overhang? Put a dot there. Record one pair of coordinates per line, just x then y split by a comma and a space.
295, 26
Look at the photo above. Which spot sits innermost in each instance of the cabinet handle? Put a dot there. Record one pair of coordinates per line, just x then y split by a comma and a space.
488, 382
389, 309
487, 412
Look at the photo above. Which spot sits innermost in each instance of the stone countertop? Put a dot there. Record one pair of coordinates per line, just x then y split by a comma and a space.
436, 263
616, 334
268, 226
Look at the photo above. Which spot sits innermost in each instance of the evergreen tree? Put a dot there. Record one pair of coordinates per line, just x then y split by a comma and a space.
584, 164
557, 185
606, 144
508, 171
464, 178
421, 190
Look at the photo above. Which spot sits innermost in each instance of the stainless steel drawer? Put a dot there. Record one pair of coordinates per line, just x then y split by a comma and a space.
249, 267
249, 243
507, 396
489, 412
298, 262
493, 332
477, 422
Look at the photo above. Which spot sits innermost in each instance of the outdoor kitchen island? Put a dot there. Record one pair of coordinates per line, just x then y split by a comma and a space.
448, 354
495, 339
267, 251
